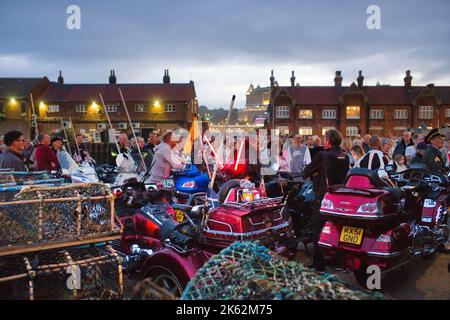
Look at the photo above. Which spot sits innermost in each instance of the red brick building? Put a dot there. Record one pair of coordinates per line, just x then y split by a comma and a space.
152, 106
358, 109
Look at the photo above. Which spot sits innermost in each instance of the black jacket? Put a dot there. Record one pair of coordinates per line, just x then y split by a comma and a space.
336, 165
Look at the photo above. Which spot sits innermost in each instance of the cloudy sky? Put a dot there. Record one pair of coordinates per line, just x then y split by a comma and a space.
226, 45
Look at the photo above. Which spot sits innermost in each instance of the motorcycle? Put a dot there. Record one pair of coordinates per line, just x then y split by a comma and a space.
373, 221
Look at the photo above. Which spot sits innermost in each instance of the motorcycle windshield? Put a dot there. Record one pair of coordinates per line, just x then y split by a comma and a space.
66, 162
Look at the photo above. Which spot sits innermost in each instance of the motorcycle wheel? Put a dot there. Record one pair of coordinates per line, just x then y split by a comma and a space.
166, 280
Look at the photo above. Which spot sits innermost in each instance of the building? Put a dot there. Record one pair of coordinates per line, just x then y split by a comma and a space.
255, 110
152, 106
15, 102
358, 109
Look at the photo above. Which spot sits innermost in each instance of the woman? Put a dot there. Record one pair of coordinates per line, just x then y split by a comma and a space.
357, 153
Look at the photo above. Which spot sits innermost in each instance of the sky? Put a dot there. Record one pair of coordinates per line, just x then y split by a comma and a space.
224, 46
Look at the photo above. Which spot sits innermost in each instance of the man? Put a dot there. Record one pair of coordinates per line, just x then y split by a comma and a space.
80, 153
45, 157
374, 159
11, 157
27, 152
410, 151
298, 156
56, 144
432, 158
329, 167
123, 143
404, 143
366, 143
164, 159
146, 154
153, 141
386, 145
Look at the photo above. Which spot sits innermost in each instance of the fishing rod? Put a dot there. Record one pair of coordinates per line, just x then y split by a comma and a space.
67, 138
132, 130
36, 130
75, 136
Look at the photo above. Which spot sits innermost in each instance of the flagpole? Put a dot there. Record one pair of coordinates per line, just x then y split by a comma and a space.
132, 130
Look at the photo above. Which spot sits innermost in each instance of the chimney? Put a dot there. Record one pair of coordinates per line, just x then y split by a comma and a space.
360, 80
292, 79
60, 78
112, 77
272, 79
338, 79
408, 79
166, 78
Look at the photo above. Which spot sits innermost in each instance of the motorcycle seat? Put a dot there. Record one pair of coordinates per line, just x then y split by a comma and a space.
182, 207
396, 193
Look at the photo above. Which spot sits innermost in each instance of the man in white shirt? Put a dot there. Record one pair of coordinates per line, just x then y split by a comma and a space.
165, 159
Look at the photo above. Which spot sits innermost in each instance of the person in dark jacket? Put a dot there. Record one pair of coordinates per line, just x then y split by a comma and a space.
401, 146
123, 144
433, 159
420, 151
11, 158
329, 167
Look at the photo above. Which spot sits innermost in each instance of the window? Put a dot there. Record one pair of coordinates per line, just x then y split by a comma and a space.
305, 114
111, 107
376, 114
351, 131
282, 112
81, 108
400, 114
53, 108
447, 113
170, 108
425, 112
329, 114
23, 108
139, 108
353, 112
325, 129
282, 130
305, 131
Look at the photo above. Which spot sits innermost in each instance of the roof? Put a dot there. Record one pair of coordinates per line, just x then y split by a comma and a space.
17, 87
132, 92
382, 95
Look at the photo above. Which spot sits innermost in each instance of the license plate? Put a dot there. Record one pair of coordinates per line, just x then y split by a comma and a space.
351, 235
168, 183
179, 215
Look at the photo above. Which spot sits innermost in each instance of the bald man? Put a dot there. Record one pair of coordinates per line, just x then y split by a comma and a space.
123, 147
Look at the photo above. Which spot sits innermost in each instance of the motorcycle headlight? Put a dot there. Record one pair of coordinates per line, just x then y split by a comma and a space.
189, 184
327, 204
371, 207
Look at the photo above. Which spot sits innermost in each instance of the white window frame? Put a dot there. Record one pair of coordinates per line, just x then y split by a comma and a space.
352, 117
307, 110
139, 108
111, 108
305, 131
81, 108
426, 112
351, 131
282, 130
328, 114
325, 129
447, 112
169, 108
53, 108
282, 112
377, 114
400, 114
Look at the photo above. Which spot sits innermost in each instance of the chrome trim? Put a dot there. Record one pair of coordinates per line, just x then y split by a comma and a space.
224, 223
370, 217
246, 234
388, 254
325, 244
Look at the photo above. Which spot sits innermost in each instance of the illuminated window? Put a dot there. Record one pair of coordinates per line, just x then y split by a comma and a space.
401, 114
111, 108
447, 113
81, 108
353, 112
376, 114
425, 112
351, 131
282, 112
305, 114
53, 108
325, 129
282, 130
139, 108
329, 114
170, 108
305, 131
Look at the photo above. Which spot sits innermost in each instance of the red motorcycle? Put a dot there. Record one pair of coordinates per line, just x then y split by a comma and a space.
372, 221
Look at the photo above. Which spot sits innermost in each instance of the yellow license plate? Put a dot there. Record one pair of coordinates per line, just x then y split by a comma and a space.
351, 235
179, 215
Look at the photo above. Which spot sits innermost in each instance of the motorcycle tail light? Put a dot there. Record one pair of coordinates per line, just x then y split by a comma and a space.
327, 204
384, 238
369, 208
326, 229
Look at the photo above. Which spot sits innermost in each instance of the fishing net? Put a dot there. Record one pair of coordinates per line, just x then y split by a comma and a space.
148, 290
73, 273
49, 214
248, 271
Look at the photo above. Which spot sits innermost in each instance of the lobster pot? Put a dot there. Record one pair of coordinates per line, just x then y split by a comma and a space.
42, 218
13, 178
70, 274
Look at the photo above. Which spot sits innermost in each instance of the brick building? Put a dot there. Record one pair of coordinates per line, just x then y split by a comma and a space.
357, 109
256, 104
152, 106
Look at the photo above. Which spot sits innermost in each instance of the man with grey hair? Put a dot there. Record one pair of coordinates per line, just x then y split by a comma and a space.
406, 141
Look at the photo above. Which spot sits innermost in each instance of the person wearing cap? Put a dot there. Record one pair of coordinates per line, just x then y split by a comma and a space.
45, 157
11, 157
432, 158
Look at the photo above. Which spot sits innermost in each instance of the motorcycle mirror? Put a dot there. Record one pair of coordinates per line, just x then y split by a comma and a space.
383, 174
